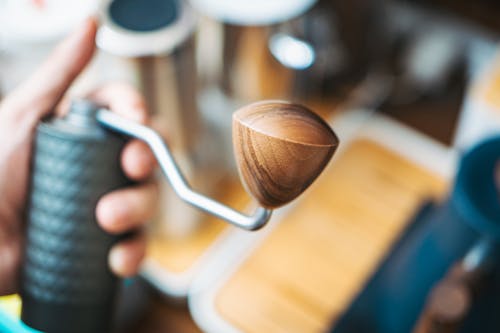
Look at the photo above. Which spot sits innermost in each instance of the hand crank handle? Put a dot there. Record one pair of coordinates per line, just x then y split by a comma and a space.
170, 169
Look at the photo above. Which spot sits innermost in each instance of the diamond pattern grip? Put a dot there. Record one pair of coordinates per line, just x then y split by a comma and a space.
66, 253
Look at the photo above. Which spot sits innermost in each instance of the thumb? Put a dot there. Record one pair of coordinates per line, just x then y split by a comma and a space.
43, 90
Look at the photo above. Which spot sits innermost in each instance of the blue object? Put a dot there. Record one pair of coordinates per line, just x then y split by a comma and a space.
144, 15
437, 237
13, 325
133, 301
475, 196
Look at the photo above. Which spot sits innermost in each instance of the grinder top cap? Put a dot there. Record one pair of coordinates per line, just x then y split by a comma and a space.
128, 29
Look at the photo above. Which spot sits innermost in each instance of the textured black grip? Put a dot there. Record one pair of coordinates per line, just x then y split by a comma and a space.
67, 285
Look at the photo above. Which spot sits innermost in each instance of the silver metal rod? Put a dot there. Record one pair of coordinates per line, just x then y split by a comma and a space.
172, 172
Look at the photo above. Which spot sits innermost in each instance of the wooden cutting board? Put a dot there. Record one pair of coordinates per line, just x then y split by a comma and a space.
305, 273
173, 261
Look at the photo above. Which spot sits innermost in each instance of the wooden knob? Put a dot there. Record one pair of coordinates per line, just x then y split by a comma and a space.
280, 149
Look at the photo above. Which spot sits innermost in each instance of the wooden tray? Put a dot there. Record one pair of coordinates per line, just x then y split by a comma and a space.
305, 270
173, 261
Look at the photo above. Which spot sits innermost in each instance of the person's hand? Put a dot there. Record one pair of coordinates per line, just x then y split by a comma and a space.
117, 212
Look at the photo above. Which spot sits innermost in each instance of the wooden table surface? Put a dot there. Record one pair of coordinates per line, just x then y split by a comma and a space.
178, 255
165, 316
308, 270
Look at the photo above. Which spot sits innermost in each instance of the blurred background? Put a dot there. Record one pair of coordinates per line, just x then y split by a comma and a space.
408, 84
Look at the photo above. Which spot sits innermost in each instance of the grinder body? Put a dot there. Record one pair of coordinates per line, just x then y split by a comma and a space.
67, 285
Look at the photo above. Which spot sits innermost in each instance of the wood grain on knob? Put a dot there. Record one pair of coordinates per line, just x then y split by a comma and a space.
280, 149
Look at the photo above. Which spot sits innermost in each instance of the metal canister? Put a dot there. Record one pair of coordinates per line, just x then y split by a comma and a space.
302, 50
308, 51
235, 65
155, 38
237, 33
67, 285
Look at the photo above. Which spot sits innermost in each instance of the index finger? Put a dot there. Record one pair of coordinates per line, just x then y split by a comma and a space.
42, 91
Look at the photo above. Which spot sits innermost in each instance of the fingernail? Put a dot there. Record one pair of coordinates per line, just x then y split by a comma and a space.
121, 209
111, 213
147, 158
117, 260
119, 213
